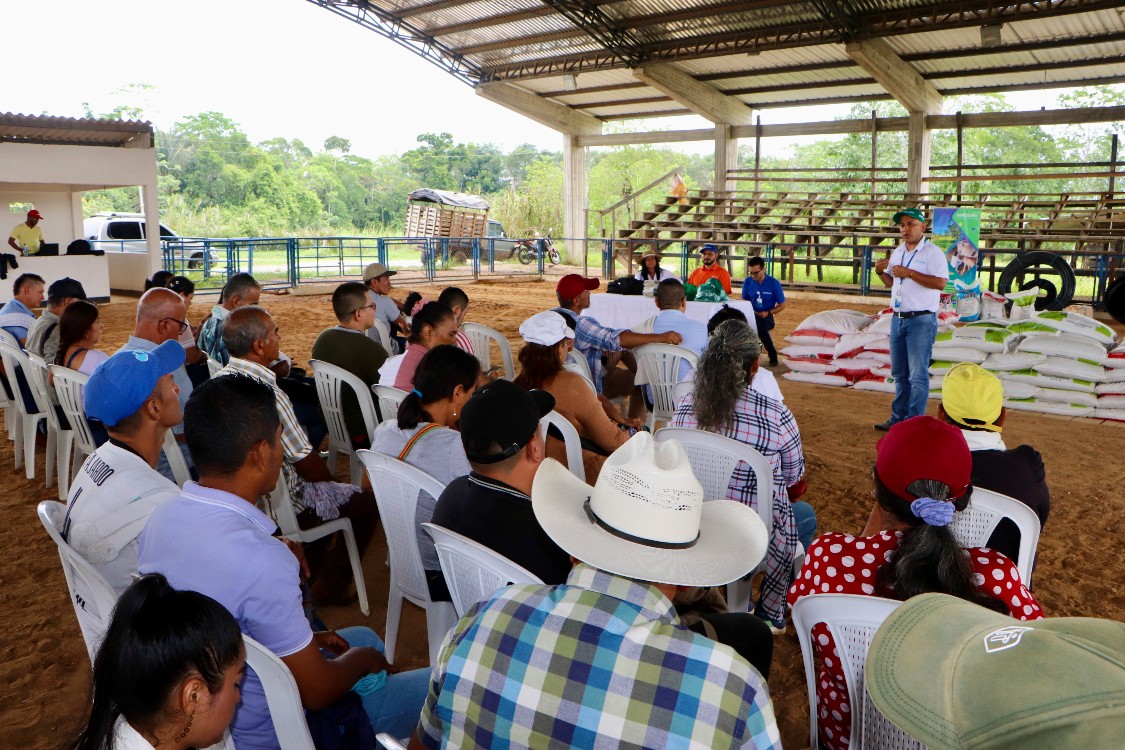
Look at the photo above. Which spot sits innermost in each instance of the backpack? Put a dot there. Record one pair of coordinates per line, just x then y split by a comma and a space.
626, 285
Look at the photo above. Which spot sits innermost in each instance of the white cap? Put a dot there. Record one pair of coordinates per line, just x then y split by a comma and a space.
546, 328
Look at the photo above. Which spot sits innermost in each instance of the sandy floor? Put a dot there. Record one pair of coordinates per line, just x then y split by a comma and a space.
44, 663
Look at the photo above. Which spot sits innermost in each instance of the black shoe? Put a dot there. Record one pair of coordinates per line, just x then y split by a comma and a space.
883, 426
773, 362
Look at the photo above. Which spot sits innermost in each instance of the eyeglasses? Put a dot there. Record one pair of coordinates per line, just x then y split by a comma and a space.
183, 324
361, 309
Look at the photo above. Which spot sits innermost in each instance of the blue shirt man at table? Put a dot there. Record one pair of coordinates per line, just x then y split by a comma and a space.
214, 540
765, 294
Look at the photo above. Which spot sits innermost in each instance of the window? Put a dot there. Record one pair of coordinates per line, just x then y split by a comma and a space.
124, 230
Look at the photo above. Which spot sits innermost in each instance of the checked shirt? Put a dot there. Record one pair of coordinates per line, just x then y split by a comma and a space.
591, 338
768, 427
600, 662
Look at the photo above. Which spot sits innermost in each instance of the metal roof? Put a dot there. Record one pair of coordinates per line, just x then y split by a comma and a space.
765, 53
74, 131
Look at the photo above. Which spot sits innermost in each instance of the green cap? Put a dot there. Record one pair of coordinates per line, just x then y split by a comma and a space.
955, 676
914, 213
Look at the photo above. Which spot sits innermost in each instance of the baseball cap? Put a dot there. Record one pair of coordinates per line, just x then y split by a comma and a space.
121, 384
66, 287
972, 396
375, 270
923, 448
707, 247
501, 413
914, 213
955, 675
546, 328
33, 214
571, 285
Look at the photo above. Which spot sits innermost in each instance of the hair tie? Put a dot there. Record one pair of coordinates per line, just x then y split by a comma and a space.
418, 308
416, 392
933, 512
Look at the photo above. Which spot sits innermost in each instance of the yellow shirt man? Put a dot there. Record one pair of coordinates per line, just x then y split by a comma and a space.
27, 234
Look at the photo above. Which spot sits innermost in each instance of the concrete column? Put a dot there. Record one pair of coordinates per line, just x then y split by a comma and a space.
918, 155
574, 197
726, 157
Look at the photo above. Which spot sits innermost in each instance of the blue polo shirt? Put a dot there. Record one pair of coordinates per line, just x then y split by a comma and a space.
16, 318
220, 545
764, 296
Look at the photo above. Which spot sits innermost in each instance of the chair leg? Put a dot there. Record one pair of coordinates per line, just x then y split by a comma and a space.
64, 457
394, 613
440, 619
738, 596
357, 569
17, 425
30, 422
51, 455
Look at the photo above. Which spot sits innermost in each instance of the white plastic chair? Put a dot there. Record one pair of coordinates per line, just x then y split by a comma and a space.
281, 508
679, 390
382, 335
480, 336
571, 441
213, 366
473, 571
11, 413
389, 742
175, 457
15, 360
661, 366
852, 620
282, 696
713, 460
70, 386
387, 399
397, 485
92, 596
330, 383
58, 460
973, 526
577, 364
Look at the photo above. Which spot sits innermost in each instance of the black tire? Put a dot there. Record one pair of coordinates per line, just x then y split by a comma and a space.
1114, 299
554, 256
196, 261
526, 254
1058, 296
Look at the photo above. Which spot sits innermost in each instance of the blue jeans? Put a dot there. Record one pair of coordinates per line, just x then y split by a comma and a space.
396, 708
804, 518
912, 343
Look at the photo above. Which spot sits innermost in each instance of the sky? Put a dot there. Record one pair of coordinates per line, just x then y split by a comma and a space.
284, 68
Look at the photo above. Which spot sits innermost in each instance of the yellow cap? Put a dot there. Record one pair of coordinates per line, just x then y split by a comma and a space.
972, 397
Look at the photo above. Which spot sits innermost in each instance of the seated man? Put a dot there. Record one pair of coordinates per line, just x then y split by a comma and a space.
16, 316
253, 340
492, 505
602, 660
214, 540
346, 346
710, 269
593, 341
240, 290
972, 398
377, 279
672, 302
118, 487
43, 335
457, 301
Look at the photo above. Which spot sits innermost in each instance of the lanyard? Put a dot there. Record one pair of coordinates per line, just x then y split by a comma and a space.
908, 262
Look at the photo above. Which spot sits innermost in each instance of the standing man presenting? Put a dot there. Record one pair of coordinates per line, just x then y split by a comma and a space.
710, 269
27, 236
916, 272
765, 294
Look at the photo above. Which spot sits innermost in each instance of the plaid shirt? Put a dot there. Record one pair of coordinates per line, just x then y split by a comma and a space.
768, 427
600, 662
294, 439
592, 338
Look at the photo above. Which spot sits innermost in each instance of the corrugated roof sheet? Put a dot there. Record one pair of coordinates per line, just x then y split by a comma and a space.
20, 128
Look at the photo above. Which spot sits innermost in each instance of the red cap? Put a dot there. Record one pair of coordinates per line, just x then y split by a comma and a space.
923, 448
571, 285
33, 214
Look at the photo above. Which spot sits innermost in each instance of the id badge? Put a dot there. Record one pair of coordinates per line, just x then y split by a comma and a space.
898, 300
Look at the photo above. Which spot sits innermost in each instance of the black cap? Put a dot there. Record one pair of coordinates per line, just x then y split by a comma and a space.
501, 413
66, 287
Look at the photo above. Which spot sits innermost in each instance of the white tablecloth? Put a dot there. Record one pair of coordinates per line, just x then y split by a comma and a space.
626, 311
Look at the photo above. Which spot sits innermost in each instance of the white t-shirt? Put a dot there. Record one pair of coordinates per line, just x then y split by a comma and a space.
925, 258
109, 504
766, 384
389, 371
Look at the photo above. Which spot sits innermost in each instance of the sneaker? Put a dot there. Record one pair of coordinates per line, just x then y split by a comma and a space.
883, 426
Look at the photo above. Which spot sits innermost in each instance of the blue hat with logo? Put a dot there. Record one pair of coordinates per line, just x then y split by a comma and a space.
121, 384
707, 247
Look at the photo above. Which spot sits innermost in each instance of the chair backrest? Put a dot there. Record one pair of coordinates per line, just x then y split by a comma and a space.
397, 484
331, 381
382, 335
974, 525
576, 362
15, 359
93, 598
213, 366
282, 696
389, 742
473, 571
481, 336
281, 507
9, 339
852, 621
662, 368
571, 441
36, 373
175, 458
387, 399
714, 459
70, 386
681, 389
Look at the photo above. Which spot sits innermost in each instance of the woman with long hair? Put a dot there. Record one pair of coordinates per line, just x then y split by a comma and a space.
547, 340
651, 268
80, 330
433, 325
167, 674
921, 480
724, 402
425, 435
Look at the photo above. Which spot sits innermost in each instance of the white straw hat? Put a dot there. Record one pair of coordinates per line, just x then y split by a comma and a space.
646, 518
547, 328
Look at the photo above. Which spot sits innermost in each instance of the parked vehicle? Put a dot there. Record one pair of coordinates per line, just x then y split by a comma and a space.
528, 250
125, 232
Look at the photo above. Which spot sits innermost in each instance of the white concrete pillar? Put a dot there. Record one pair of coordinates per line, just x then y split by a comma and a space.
150, 207
918, 155
574, 197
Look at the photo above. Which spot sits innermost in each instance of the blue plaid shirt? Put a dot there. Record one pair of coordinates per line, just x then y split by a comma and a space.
592, 338
768, 427
600, 662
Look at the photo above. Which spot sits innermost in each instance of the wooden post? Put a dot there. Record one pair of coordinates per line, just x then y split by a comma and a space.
874, 150
1112, 166
574, 196
758, 156
918, 155
960, 155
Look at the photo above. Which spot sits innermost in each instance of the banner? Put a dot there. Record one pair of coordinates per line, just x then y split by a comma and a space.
957, 230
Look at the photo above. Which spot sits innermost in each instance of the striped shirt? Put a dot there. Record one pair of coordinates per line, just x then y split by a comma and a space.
600, 662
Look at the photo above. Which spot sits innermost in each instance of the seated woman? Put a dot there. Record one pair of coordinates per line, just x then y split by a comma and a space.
541, 367
433, 325
167, 674
425, 435
650, 268
921, 478
724, 402
80, 330
764, 382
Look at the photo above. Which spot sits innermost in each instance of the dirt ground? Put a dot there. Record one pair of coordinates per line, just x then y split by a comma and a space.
1080, 564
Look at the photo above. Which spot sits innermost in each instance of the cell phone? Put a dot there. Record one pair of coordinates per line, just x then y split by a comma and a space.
495, 368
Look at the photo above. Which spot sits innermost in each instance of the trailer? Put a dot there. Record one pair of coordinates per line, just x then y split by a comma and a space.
460, 217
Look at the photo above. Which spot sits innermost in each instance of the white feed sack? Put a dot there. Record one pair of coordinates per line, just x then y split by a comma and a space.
1023, 303
1071, 322
880, 384
1049, 407
983, 338
1071, 368
993, 306
1041, 380
836, 321
818, 378
1013, 361
1069, 345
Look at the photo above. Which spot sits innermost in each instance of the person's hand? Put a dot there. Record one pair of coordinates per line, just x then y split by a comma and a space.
298, 551
331, 641
280, 368
672, 338
900, 272
379, 663
881, 265
636, 424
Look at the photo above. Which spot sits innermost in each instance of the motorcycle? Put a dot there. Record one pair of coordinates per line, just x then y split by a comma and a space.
529, 250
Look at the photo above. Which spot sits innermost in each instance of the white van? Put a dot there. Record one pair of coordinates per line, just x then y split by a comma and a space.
125, 232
